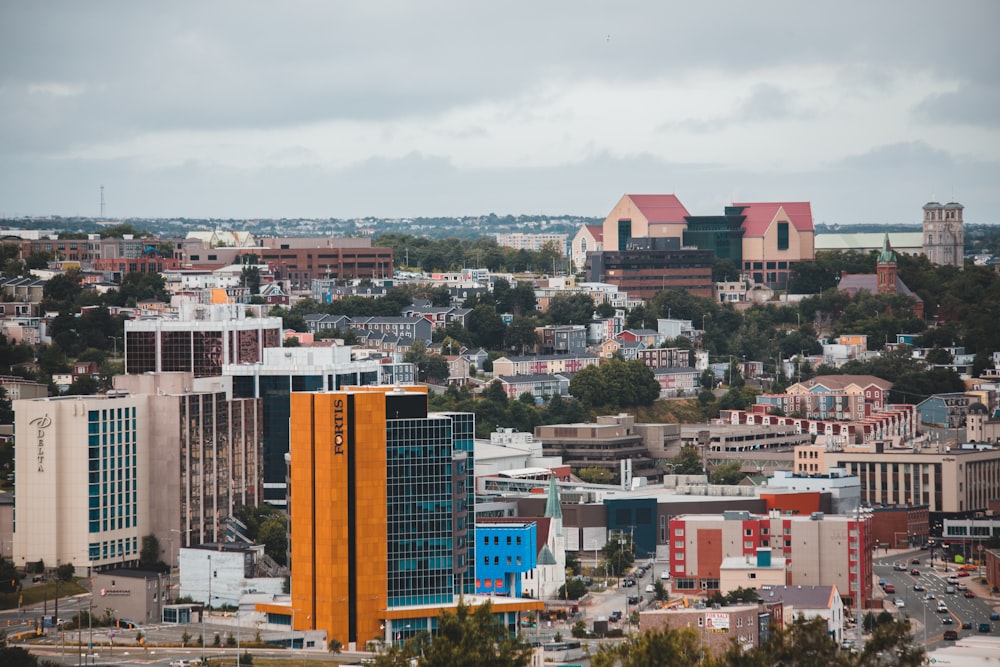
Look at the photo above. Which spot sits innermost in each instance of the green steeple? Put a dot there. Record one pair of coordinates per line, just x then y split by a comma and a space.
887, 256
553, 509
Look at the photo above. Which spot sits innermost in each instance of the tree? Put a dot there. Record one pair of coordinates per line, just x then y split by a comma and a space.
149, 554
688, 461
661, 647
730, 473
619, 554
469, 637
570, 309
486, 328
595, 475
65, 572
273, 535
574, 589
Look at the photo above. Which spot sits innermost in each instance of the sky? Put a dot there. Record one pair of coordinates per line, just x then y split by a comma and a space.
320, 109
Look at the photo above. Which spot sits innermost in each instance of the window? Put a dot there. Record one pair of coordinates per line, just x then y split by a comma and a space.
782, 236
747, 544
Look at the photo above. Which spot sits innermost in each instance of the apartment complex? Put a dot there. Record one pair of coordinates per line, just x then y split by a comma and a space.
820, 550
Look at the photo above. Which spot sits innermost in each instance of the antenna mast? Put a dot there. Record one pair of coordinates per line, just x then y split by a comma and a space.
102, 202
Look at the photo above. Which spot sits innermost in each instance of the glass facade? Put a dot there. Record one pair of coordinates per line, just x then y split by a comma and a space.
220, 461
420, 511
199, 350
112, 497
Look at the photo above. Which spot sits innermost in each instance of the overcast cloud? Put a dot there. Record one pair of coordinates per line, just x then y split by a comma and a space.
405, 109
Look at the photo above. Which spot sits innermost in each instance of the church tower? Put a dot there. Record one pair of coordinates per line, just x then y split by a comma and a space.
886, 269
944, 234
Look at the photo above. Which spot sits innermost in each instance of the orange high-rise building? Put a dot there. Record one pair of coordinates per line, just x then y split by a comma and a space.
380, 500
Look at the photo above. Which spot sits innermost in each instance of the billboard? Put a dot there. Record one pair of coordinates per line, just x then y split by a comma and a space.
717, 622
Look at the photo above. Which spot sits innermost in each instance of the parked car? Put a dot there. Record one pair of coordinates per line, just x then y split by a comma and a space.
889, 588
969, 594
882, 582
125, 623
994, 616
615, 616
634, 599
950, 635
665, 574
628, 581
961, 587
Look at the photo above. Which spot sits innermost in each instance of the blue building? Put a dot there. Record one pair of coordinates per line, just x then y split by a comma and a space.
505, 551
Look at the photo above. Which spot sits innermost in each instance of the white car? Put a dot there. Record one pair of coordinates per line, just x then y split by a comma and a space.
899, 603
665, 575
650, 588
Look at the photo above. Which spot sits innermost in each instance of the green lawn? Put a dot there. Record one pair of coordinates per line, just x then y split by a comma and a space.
36, 593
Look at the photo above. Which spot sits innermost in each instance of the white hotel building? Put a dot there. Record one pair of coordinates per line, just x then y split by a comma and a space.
80, 497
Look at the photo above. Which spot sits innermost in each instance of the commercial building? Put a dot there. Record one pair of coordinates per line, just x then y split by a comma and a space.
947, 480
601, 444
821, 550
844, 489
360, 572
219, 574
82, 489
281, 371
746, 625
200, 340
763, 239
809, 602
136, 595
900, 526
505, 553
650, 265
204, 454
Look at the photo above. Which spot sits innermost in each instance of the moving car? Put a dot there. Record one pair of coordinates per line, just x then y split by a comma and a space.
963, 573
915, 561
969, 594
628, 581
665, 574
984, 627
889, 588
994, 616
915, 572
942, 608
947, 620
966, 625
634, 599
899, 603
950, 635
918, 587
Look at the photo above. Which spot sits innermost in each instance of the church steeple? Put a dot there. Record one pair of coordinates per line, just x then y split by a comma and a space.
886, 269
553, 509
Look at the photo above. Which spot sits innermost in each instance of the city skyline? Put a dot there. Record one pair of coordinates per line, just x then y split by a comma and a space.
248, 110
